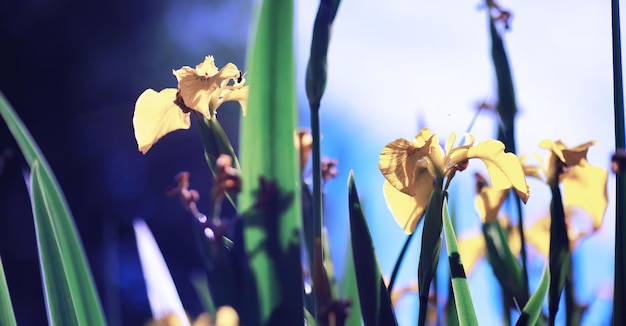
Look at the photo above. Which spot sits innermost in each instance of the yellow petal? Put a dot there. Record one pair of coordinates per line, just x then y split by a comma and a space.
538, 235
531, 170
156, 115
398, 162
207, 67
230, 93
203, 319
504, 169
570, 156
471, 249
585, 187
407, 210
226, 316
488, 203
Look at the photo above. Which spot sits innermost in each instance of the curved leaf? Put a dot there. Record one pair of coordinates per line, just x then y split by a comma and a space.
6, 309
373, 296
462, 296
80, 279
532, 309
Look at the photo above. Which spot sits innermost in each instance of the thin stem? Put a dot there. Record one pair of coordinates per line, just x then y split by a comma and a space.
520, 226
396, 267
619, 299
317, 184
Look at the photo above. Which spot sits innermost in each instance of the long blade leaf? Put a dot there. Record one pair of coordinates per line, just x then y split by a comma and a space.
431, 249
374, 298
271, 171
532, 309
61, 306
7, 317
462, 296
81, 281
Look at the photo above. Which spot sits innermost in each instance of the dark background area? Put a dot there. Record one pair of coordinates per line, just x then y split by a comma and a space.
73, 70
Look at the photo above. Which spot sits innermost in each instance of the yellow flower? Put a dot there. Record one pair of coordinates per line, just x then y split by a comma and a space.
205, 88
202, 89
584, 185
411, 167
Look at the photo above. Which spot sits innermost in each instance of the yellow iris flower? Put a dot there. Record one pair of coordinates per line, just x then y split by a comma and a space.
411, 167
585, 195
202, 90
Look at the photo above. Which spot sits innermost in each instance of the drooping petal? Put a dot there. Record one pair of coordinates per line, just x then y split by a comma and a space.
406, 210
504, 169
398, 161
155, 116
488, 203
585, 187
230, 93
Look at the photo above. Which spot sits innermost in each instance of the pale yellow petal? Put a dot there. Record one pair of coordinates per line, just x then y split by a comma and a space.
231, 93
228, 72
207, 67
471, 249
226, 316
531, 170
437, 157
398, 161
155, 116
196, 93
538, 236
577, 155
203, 319
585, 187
450, 143
504, 169
488, 203
407, 210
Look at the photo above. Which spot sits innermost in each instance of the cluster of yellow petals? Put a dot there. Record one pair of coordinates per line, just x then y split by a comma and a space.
224, 316
411, 167
201, 89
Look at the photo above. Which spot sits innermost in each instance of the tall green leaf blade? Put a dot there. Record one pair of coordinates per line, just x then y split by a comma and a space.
268, 152
431, 249
505, 265
460, 287
7, 317
532, 309
81, 281
350, 289
373, 296
60, 303
559, 257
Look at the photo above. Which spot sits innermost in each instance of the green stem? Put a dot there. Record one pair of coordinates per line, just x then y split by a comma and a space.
317, 180
520, 226
396, 267
619, 299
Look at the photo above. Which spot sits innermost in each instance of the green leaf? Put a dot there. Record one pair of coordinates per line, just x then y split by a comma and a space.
61, 306
350, 289
200, 283
462, 296
505, 265
532, 309
7, 316
431, 249
559, 257
271, 172
80, 279
507, 106
309, 319
373, 296
216, 143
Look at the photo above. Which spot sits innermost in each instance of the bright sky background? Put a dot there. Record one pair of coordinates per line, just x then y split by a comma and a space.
399, 65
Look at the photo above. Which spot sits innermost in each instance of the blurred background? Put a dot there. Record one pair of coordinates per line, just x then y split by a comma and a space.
73, 71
